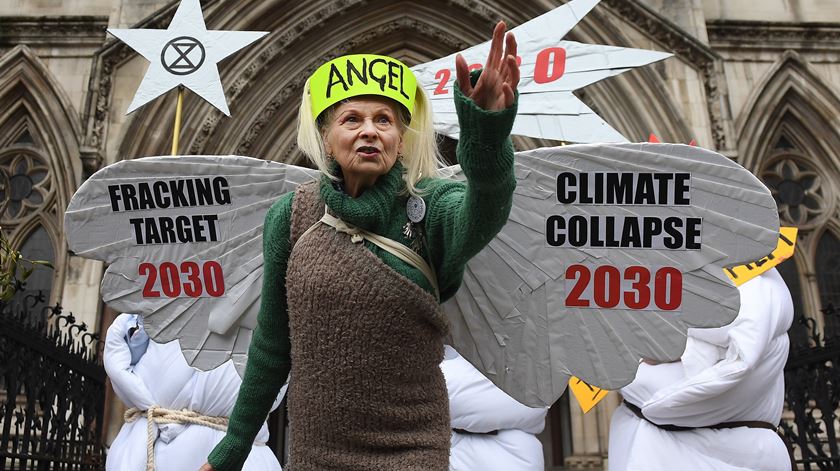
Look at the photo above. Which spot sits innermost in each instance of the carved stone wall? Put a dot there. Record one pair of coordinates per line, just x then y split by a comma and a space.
784, 84
39, 148
267, 80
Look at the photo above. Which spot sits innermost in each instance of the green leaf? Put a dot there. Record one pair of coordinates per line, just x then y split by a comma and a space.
7, 293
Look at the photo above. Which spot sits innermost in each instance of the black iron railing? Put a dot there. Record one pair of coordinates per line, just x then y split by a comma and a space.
52, 389
812, 393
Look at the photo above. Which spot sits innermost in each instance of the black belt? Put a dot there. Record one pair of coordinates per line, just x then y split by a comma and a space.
467, 432
676, 428
724, 425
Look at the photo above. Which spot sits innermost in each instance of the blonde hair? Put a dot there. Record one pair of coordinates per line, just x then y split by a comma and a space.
421, 158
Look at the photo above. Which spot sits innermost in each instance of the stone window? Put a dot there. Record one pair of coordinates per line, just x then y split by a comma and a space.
828, 269
797, 188
27, 196
805, 195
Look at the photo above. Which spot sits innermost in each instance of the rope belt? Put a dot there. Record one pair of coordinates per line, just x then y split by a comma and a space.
394, 248
159, 415
724, 425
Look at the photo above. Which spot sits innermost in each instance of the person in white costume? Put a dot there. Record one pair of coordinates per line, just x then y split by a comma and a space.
146, 374
727, 375
491, 431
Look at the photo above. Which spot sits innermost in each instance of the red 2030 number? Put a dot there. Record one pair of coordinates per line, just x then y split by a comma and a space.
549, 66
611, 289
188, 279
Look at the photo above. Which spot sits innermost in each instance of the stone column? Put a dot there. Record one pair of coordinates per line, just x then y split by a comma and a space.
590, 434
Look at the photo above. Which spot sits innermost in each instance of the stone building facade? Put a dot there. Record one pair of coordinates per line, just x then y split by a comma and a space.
758, 82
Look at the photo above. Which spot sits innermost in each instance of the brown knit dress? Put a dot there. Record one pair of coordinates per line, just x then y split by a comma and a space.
367, 392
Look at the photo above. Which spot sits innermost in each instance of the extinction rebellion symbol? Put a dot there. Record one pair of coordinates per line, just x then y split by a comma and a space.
182, 56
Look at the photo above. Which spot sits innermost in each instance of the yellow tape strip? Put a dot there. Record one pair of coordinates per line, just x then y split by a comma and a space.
586, 394
784, 250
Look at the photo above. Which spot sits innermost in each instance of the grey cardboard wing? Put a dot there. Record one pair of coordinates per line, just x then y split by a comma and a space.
559, 291
183, 240
200, 281
550, 70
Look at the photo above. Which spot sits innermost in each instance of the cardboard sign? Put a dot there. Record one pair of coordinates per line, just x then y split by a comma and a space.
784, 250
361, 74
551, 69
183, 240
183, 237
185, 54
610, 254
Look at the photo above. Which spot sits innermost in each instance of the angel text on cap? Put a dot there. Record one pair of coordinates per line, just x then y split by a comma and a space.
660, 189
382, 71
165, 194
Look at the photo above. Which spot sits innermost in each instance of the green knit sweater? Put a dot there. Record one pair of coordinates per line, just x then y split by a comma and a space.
460, 220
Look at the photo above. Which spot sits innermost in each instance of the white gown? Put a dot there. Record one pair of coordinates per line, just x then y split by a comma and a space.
727, 374
160, 376
477, 405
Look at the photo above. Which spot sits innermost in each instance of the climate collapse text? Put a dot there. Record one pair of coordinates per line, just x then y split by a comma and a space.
165, 194
661, 189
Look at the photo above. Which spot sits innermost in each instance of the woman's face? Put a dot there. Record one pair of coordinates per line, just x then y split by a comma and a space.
365, 137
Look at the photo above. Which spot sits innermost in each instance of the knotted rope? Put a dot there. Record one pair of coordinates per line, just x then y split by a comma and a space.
159, 415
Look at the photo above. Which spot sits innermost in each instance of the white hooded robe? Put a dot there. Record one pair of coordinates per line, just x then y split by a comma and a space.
727, 374
161, 376
477, 405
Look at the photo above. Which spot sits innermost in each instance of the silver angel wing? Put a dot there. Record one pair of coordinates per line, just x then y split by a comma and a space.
509, 318
183, 240
551, 69
512, 317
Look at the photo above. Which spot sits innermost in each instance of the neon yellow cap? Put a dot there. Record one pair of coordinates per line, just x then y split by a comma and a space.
361, 74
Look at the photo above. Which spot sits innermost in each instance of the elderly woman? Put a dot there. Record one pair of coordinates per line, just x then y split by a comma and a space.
357, 264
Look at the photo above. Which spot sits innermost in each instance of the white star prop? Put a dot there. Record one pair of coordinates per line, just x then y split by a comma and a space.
186, 54
551, 69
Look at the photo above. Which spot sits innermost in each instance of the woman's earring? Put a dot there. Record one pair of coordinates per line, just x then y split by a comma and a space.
400, 157
330, 157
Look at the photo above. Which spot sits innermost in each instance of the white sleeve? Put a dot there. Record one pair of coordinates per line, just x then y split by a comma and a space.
477, 405
700, 400
117, 361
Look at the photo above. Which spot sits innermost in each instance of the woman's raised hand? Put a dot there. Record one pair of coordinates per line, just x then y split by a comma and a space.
495, 88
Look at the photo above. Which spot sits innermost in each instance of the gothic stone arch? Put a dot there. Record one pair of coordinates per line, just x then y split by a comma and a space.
788, 136
41, 142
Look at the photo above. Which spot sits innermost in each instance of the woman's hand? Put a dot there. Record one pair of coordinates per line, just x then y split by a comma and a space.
206, 467
494, 90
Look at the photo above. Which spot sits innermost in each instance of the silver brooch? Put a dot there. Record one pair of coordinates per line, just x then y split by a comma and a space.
415, 209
